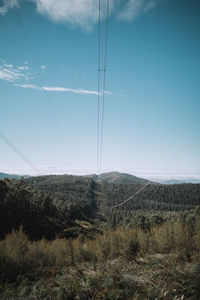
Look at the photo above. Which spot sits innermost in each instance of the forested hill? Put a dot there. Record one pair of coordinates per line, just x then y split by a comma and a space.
117, 178
153, 197
51, 205
65, 189
70, 190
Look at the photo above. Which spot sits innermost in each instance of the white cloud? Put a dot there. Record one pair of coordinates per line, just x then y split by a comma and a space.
14, 74
22, 68
130, 10
28, 86
66, 90
150, 5
43, 67
84, 13
57, 89
8, 66
11, 73
7, 5
75, 91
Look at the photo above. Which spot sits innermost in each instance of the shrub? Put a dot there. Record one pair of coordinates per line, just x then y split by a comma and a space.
132, 249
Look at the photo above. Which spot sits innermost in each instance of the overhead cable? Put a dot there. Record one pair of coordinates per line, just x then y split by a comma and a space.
33, 57
99, 65
104, 87
29, 47
19, 153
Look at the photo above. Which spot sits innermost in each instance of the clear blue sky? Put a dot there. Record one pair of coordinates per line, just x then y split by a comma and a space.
153, 75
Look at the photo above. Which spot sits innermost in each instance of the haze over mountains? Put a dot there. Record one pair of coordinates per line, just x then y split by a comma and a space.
5, 175
177, 180
118, 177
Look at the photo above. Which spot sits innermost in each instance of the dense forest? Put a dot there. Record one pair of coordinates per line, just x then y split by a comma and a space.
38, 214
100, 198
47, 206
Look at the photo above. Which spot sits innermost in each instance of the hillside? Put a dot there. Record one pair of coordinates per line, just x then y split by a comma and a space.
102, 198
5, 175
69, 193
67, 188
117, 178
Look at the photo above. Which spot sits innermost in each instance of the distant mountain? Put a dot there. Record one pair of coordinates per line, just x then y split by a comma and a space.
14, 176
178, 181
118, 178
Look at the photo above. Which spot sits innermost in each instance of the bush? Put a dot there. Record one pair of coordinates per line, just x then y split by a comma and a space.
132, 249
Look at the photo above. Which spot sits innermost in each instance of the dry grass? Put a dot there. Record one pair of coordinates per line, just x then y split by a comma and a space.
121, 264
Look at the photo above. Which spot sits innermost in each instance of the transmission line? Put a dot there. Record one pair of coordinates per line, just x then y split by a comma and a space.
33, 57
132, 196
148, 182
99, 65
19, 153
104, 86
29, 47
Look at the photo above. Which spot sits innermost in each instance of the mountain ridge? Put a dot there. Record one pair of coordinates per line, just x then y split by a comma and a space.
10, 176
118, 178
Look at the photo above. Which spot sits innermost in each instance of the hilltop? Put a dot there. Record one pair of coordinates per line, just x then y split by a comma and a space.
118, 178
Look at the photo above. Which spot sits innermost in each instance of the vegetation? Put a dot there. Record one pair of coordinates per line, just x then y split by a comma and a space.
121, 264
97, 199
117, 178
61, 238
68, 192
38, 215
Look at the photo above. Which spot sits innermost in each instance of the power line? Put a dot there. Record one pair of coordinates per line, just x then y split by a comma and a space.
19, 153
99, 64
104, 86
29, 47
33, 57
147, 183
132, 196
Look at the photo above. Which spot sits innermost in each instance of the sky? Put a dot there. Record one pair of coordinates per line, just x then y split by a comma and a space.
49, 91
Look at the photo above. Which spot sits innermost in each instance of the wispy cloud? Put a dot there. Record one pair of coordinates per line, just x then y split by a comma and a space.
18, 74
28, 86
23, 68
131, 9
64, 89
150, 5
57, 89
84, 13
7, 5
12, 73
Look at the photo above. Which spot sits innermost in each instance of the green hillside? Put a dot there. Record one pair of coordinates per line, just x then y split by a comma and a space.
105, 198
117, 177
